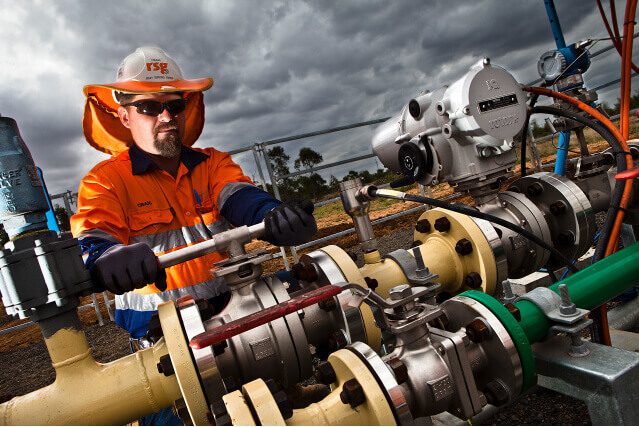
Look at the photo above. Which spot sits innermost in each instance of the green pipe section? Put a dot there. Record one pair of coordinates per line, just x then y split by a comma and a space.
588, 288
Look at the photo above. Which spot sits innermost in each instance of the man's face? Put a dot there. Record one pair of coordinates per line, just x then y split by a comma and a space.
162, 134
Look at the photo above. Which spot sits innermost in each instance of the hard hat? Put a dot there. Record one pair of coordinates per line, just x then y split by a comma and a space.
147, 70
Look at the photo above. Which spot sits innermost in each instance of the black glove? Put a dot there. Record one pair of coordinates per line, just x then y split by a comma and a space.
288, 225
122, 268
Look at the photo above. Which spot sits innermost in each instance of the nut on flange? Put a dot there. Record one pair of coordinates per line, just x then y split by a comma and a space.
352, 393
442, 224
464, 247
477, 330
325, 374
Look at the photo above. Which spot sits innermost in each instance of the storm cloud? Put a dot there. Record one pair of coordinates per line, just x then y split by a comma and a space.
280, 67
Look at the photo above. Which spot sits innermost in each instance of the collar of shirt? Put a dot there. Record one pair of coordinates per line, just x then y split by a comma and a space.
141, 163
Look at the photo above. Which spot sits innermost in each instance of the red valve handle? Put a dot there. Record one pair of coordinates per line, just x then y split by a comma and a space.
627, 174
235, 327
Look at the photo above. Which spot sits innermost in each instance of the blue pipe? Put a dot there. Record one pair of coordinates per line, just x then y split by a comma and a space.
562, 152
555, 26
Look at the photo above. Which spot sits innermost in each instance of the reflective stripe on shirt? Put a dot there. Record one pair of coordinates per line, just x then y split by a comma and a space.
150, 302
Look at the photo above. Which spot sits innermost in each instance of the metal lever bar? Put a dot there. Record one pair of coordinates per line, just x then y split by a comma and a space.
236, 327
219, 243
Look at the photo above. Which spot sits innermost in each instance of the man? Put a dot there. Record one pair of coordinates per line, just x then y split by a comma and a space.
157, 194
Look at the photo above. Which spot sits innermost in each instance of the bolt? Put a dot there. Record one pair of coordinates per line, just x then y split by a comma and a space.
423, 226
325, 374
534, 189
280, 397
165, 366
508, 290
305, 272
567, 307
179, 407
466, 111
514, 189
473, 280
558, 208
328, 304
477, 330
336, 341
496, 393
371, 283
566, 238
400, 292
155, 329
205, 309
220, 416
219, 348
442, 224
352, 393
512, 309
464, 247
399, 370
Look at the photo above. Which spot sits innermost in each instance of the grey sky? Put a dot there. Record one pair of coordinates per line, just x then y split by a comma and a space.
280, 67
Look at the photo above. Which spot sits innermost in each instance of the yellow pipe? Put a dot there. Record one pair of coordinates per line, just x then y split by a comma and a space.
88, 392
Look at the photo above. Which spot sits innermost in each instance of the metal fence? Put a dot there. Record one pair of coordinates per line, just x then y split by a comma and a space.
262, 161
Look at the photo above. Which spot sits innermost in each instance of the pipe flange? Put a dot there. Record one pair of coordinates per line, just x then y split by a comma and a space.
386, 380
204, 357
507, 347
566, 208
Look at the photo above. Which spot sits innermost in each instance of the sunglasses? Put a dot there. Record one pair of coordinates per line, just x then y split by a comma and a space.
155, 108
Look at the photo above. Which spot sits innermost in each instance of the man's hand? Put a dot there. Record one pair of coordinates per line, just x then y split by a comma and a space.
288, 225
122, 268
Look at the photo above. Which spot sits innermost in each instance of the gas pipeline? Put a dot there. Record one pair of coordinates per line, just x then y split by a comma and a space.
414, 333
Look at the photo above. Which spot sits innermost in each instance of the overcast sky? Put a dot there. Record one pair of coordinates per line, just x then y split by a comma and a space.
280, 67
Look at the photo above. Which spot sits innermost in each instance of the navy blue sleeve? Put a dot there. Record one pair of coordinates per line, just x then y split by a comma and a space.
94, 246
248, 206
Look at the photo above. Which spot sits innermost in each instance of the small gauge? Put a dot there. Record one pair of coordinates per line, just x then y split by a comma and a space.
551, 65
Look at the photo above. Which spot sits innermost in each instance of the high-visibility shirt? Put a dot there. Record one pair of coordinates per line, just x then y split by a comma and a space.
128, 199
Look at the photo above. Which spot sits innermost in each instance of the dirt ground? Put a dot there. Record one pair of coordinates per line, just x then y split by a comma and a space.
26, 365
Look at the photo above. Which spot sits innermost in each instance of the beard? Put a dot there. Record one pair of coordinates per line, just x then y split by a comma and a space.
168, 144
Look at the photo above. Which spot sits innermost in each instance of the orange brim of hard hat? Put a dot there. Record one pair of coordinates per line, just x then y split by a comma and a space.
101, 124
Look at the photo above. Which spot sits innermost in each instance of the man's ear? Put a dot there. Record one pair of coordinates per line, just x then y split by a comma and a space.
124, 117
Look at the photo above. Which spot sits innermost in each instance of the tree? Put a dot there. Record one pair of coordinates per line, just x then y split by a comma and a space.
307, 158
279, 160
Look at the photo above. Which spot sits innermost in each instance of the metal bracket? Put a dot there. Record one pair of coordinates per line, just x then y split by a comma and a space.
550, 304
415, 275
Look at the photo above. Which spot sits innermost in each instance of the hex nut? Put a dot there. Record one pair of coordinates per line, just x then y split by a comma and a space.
219, 414
473, 280
477, 330
305, 272
400, 292
165, 366
328, 304
219, 347
352, 393
325, 374
371, 283
512, 309
464, 247
442, 224
558, 208
566, 238
423, 226
155, 329
337, 341
205, 308
399, 370
180, 409
496, 393
280, 397
534, 189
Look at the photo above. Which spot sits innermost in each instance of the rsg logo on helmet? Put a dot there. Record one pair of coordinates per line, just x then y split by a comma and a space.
146, 70
148, 64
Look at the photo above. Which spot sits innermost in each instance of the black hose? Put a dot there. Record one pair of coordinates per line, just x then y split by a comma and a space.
465, 210
524, 133
620, 157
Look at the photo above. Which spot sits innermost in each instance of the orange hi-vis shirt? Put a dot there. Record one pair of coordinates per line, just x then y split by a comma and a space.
127, 199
